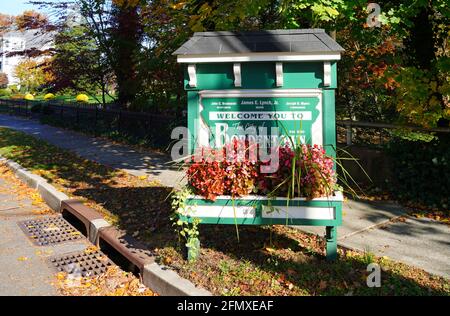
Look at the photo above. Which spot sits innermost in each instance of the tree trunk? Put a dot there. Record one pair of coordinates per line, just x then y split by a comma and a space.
126, 36
421, 41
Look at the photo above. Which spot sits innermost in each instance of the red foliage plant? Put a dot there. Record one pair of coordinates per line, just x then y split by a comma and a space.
234, 170
231, 170
241, 168
312, 177
206, 175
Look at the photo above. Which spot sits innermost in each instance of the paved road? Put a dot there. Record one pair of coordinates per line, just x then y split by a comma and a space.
24, 271
366, 226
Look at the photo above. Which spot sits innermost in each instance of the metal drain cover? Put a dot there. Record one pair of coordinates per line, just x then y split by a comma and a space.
50, 231
85, 263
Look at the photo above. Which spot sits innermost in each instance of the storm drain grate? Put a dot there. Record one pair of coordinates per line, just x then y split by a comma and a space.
50, 230
85, 263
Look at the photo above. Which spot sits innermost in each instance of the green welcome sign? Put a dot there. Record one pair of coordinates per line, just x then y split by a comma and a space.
295, 117
268, 85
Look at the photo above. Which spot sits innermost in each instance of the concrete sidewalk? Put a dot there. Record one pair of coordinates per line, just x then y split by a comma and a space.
367, 225
377, 227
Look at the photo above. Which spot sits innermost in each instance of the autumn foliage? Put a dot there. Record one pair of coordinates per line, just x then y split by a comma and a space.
228, 170
3, 80
31, 74
232, 170
30, 20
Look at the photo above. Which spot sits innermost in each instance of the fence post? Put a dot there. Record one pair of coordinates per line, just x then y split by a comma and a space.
147, 128
349, 134
78, 115
119, 122
95, 120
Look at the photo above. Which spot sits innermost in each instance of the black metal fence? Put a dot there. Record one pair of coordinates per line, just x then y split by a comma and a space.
138, 127
374, 134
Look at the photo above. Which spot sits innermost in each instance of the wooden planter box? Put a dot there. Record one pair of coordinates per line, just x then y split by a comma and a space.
260, 210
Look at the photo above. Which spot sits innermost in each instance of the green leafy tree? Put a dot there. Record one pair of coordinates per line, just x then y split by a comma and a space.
423, 92
115, 27
79, 64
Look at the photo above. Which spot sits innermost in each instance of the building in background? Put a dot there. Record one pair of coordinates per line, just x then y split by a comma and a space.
17, 46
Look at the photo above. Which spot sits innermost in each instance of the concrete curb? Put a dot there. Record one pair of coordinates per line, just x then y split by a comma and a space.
49, 194
13, 165
159, 278
94, 229
164, 280
23, 174
32, 180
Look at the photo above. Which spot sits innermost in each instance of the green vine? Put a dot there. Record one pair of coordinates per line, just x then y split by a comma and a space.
186, 230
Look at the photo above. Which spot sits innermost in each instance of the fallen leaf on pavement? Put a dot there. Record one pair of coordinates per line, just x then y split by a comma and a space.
90, 249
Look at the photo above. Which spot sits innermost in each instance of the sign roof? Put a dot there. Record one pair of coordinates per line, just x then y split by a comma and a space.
299, 41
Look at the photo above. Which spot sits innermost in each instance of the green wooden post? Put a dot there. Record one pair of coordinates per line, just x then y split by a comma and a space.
329, 122
331, 237
192, 115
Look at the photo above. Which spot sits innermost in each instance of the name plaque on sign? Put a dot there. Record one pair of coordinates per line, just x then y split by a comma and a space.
298, 117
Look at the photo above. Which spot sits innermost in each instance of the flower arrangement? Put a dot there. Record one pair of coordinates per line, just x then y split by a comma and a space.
207, 178
303, 171
240, 168
267, 183
224, 171
319, 176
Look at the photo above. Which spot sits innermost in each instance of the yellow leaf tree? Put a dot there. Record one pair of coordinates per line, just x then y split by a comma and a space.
30, 75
